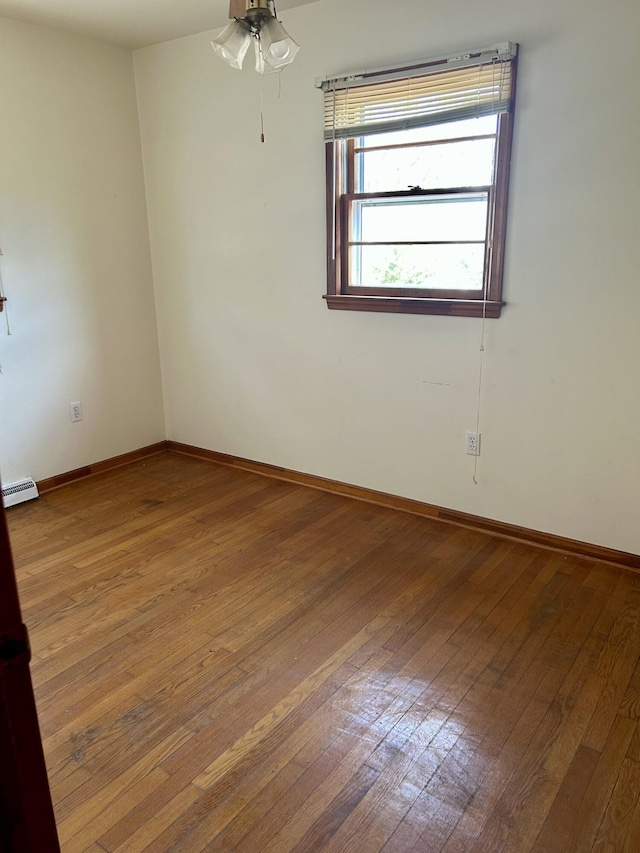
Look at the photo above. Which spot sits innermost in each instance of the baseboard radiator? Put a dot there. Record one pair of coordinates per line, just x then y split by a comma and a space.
17, 493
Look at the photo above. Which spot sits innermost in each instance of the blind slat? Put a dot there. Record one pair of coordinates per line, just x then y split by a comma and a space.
435, 97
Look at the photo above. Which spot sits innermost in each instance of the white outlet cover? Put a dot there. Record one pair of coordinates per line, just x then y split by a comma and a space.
75, 412
472, 444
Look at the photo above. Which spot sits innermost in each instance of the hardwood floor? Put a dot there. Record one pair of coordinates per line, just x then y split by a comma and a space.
225, 662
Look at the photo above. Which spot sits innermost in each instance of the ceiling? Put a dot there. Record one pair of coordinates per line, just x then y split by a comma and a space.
130, 23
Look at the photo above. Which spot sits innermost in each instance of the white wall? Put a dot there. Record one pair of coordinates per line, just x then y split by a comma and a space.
76, 263
255, 365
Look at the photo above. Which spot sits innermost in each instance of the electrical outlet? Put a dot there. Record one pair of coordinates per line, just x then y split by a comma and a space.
473, 444
75, 412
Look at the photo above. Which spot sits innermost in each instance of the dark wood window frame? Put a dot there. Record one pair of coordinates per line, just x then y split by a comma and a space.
341, 193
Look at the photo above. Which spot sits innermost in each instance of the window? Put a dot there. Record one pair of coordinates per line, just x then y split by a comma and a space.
417, 184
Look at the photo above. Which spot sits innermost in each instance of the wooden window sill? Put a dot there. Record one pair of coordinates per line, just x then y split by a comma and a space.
403, 305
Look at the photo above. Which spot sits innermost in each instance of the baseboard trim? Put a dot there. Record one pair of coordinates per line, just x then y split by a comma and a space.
549, 541
100, 467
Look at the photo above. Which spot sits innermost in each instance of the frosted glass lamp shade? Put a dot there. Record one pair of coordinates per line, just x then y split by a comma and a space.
261, 65
232, 44
278, 48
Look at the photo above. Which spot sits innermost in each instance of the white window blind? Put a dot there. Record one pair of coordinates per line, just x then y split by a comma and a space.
478, 83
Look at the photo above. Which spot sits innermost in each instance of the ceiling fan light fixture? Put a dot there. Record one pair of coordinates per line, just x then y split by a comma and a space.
274, 47
232, 44
278, 48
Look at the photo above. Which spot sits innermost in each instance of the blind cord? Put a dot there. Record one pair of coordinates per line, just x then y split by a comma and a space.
484, 295
5, 309
335, 171
480, 376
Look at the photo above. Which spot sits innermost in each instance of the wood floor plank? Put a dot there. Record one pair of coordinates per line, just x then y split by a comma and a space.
634, 747
630, 841
603, 781
332, 732
226, 663
560, 826
101, 803
140, 837
616, 665
614, 831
